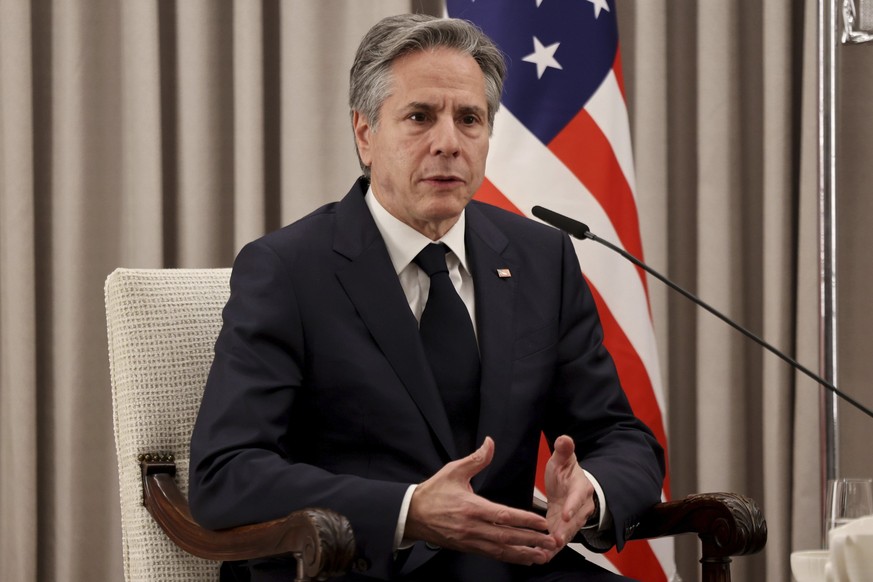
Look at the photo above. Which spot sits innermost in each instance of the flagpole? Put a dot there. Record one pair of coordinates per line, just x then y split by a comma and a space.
827, 228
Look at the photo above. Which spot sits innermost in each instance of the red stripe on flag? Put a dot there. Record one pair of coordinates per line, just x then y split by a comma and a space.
489, 193
544, 453
637, 560
633, 376
584, 149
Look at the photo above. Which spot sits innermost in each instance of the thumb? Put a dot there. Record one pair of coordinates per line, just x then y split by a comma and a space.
476, 461
564, 450
563, 454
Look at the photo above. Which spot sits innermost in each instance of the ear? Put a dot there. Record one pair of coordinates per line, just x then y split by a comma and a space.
363, 133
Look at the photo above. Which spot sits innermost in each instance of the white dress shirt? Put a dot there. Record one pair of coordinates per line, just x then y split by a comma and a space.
404, 243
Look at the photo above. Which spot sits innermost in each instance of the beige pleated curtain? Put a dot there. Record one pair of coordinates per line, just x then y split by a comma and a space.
161, 133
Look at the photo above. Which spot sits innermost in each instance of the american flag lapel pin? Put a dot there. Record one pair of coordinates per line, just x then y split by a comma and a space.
504, 273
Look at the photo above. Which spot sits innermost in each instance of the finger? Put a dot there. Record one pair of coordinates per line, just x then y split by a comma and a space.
577, 495
573, 507
510, 544
471, 533
565, 533
513, 554
512, 536
497, 514
576, 509
523, 555
565, 528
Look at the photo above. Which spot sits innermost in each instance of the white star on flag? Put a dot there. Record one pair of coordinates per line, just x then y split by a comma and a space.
598, 6
543, 57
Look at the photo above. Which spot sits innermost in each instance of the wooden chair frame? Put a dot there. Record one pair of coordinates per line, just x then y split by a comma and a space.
322, 541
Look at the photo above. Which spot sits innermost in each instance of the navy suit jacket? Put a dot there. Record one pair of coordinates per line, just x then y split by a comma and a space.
321, 395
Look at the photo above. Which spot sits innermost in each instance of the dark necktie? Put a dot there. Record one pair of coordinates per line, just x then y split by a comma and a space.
450, 344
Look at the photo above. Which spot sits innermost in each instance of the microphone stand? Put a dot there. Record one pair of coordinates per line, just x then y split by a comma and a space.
581, 231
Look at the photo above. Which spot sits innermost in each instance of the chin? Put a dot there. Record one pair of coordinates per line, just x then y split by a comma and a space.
447, 211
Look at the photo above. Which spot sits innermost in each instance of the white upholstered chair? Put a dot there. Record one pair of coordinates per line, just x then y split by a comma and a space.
162, 325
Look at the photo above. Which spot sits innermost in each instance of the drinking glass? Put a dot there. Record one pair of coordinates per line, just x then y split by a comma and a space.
848, 499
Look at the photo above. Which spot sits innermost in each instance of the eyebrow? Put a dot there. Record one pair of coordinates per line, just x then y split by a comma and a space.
463, 110
475, 110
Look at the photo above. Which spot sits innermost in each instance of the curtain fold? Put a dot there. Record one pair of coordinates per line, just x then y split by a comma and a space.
806, 487
139, 200
249, 186
780, 120
168, 133
204, 131
18, 348
75, 172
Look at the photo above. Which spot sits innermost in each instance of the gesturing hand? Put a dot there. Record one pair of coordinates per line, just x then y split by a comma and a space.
570, 493
445, 511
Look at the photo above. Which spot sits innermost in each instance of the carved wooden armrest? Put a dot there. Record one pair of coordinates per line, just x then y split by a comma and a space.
727, 525
320, 540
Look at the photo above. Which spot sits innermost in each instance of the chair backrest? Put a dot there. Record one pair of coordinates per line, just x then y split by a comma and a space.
162, 325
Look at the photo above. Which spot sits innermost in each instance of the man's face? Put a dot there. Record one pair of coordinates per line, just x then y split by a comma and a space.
427, 154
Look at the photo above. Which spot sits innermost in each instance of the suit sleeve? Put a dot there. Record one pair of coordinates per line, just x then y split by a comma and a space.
590, 405
244, 469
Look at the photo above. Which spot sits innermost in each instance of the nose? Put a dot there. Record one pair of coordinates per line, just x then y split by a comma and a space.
444, 138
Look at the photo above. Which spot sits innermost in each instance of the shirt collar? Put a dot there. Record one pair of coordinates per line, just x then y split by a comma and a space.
404, 242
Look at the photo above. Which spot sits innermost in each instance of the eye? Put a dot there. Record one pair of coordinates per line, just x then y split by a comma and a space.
469, 119
418, 116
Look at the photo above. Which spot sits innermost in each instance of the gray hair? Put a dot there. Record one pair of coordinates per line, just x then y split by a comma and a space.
395, 36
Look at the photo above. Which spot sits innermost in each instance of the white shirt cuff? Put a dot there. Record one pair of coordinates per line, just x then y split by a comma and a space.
399, 542
605, 521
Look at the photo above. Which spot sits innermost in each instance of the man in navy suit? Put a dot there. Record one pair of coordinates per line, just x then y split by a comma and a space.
323, 392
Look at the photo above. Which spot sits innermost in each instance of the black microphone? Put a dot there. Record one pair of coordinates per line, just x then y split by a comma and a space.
581, 231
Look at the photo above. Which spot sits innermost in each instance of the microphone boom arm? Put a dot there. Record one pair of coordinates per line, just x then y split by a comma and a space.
581, 231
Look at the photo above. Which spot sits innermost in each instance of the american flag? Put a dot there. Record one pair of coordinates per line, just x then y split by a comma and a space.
562, 140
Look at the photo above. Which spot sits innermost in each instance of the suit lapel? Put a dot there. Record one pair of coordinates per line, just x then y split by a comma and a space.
495, 317
374, 289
